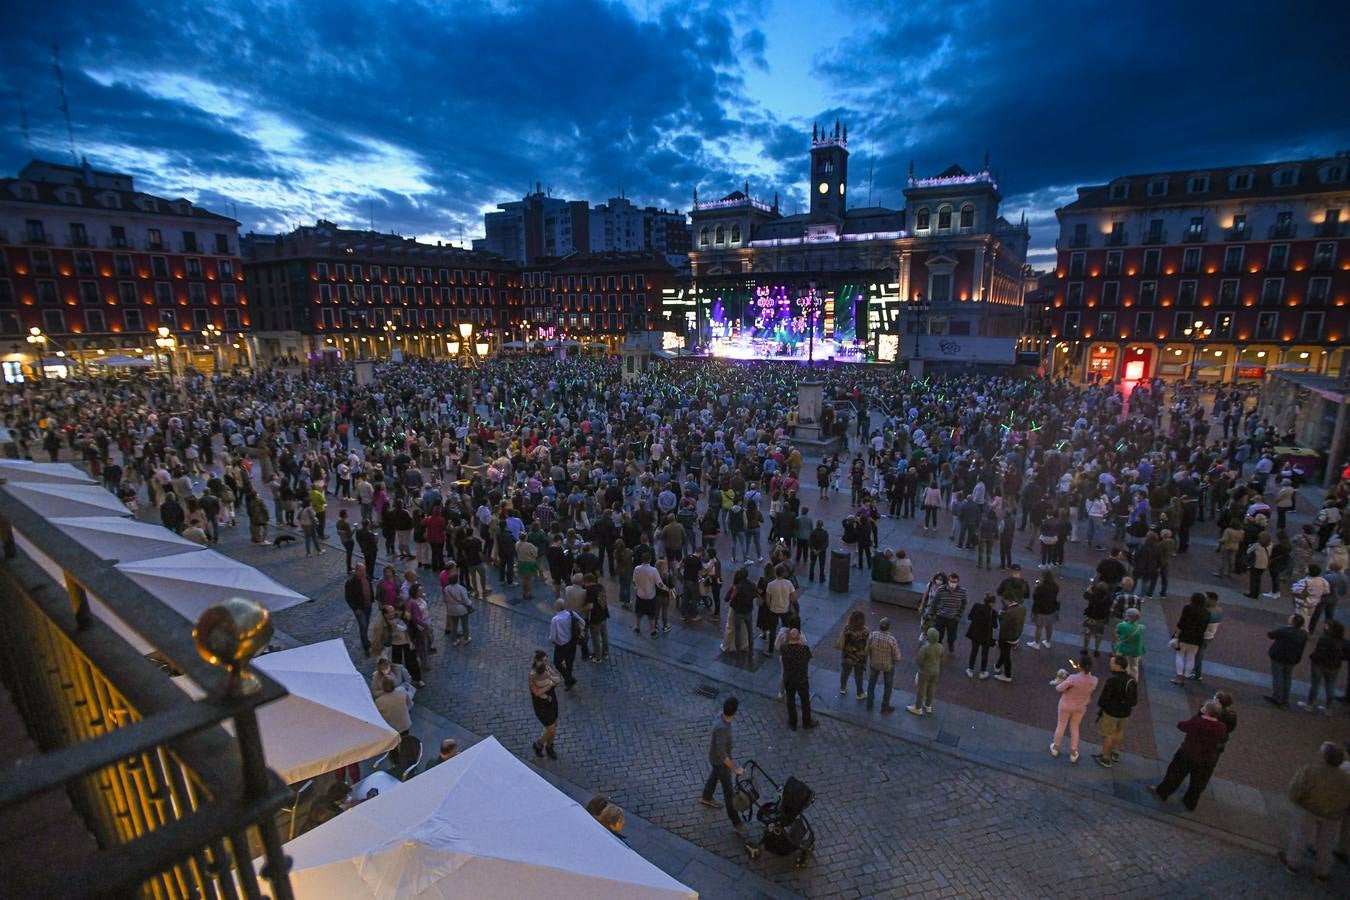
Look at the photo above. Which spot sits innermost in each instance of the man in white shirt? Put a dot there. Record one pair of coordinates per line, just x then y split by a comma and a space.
563, 632
778, 598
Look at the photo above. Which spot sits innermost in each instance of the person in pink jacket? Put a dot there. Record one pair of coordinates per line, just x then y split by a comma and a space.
1074, 693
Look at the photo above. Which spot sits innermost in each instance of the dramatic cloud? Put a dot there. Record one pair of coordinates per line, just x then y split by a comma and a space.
421, 115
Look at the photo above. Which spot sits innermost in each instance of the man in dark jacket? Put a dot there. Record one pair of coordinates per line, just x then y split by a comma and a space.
1114, 704
1286, 651
171, 514
369, 544
820, 542
358, 595
1196, 757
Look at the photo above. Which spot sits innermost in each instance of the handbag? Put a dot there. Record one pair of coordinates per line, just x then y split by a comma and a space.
1175, 642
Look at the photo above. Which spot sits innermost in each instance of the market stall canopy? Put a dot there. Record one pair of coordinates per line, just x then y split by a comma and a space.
65, 499
482, 825
44, 472
326, 722
124, 540
121, 361
190, 582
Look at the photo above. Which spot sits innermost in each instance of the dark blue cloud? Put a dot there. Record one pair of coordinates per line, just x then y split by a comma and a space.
423, 114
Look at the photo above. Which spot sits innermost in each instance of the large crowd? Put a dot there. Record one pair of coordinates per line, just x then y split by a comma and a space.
684, 489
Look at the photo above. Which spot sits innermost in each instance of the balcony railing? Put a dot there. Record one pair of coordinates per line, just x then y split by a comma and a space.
1195, 235
177, 806
1241, 233
1154, 237
119, 244
1282, 231
1116, 239
1330, 229
78, 240
36, 237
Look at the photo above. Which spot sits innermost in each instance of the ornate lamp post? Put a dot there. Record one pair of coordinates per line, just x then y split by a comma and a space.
39, 342
390, 333
211, 334
919, 308
167, 343
1199, 332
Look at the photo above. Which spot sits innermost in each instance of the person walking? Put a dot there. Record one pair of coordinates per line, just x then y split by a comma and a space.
1010, 626
1320, 792
646, 582
1074, 693
796, 659
360, 599
458, 606
949, 605
983, 618
883, 655
1286, 651
1196, 758
1189, 635
565, 633
852, 644
544, 681
929, 662
723, 766
1117, 700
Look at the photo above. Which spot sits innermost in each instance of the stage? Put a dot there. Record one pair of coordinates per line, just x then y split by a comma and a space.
743, 347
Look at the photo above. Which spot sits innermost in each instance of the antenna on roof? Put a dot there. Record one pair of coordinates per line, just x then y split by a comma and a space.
65, 104
869, 181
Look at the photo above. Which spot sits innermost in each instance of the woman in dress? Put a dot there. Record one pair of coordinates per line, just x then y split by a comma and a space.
544, 681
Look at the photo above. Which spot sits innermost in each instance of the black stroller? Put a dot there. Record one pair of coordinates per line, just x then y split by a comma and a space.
785, 827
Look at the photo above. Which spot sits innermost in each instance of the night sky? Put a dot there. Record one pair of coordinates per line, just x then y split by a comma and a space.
427, 114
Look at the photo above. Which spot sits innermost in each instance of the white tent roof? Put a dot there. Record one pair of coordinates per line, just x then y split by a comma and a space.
482, 825
64, 499
122, 361
42, 472
190, 582
125, 540
327, 721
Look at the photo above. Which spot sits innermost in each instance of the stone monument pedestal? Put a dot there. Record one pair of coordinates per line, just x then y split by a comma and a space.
810, 402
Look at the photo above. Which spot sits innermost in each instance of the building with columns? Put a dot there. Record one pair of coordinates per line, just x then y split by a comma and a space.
948, 266
1219, 274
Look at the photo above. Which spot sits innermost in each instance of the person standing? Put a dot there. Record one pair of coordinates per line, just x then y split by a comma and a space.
359, 599
596, 608
1286, 651
565, 634
883, 655
1211, 632
1190, 634
1320, 792
1130, 640
1010, 626
646, 582
346, 536
1195, 758
949, 605
778, 597
983, 618
1114, 705
1044, 610
368, 544
1325, 660
796, 659
458, 606
852, 644
929, 662
544, 681
720, 744
1074, 693
819, 541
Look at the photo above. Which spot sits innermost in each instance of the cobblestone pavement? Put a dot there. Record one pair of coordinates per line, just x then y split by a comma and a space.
892, 818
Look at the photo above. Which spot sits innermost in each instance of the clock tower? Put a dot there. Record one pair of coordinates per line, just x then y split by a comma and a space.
829, 171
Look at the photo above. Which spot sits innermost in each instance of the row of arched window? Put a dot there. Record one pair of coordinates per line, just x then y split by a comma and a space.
923, 219
718, 236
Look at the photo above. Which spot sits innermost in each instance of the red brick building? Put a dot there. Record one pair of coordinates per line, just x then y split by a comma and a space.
97, 265
595, 297
322, 288
1227, 272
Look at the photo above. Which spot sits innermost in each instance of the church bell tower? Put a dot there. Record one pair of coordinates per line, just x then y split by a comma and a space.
829, 171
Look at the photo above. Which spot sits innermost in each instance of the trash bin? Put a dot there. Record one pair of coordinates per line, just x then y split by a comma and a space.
841, 561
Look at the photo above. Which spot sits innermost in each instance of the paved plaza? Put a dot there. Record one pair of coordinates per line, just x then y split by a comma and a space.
965, 803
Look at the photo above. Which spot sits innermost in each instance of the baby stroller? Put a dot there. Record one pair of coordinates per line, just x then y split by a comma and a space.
785, 827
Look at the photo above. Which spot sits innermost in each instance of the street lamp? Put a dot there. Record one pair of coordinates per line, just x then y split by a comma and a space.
211, 334
391, 331
39, 341
919, 307
1200, 333
167, 343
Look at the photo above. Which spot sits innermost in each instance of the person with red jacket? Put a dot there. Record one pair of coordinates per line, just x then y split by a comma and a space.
1196, 757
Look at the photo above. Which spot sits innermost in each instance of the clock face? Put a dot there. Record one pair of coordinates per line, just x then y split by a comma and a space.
824, 187
841, 187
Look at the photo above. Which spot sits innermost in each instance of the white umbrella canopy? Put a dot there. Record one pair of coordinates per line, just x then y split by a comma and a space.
190, 582
326, 722
65, 499
482, 825
124, 540
122, 361
43, 472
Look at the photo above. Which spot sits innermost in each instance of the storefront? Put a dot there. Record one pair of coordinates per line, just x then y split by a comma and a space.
1175, 361
1254, 362
1101, 362
1138, 363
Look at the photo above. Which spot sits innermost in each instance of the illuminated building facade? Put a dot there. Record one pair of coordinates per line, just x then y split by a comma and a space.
98, 267
1219, 274
948, 253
